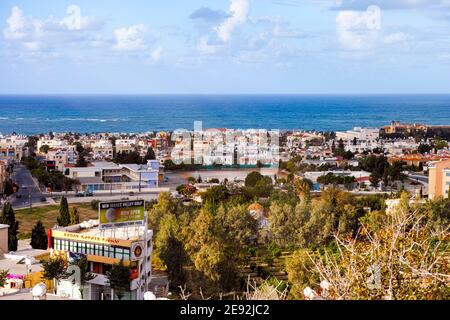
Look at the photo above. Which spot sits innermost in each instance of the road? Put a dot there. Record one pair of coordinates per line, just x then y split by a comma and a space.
418, 178
28, 188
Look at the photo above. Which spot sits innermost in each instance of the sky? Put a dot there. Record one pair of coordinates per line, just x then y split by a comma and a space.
224, 46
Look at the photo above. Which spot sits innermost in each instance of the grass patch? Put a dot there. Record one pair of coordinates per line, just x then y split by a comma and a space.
48, 215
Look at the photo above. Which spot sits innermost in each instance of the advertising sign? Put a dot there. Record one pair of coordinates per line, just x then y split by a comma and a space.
137, 251
121, 213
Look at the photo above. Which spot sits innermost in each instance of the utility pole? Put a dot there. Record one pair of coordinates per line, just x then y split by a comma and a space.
140, 175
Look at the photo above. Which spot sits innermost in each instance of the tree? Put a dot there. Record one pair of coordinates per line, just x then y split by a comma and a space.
79, 147
3, 277
64, 215
74, 216
169, 247
165, 205
150, 155
424, 148
215, 195
9, 217
374, 180
81, 161
302, 188
407, 258
119, 278
54, 269
186, 190
440, 144
252, 178
44, 149
39, 237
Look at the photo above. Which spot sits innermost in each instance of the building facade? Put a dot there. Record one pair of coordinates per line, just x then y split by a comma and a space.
104, 177
102, 249
439, 179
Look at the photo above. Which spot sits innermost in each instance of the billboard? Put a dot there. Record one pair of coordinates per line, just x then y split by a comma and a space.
121, 213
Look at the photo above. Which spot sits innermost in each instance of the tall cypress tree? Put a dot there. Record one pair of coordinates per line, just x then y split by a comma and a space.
9, 217
38, 236
74, 216
64, 215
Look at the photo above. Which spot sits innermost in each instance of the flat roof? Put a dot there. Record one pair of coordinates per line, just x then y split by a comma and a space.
123, 233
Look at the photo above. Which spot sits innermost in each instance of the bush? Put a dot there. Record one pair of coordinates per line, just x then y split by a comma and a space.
94, 204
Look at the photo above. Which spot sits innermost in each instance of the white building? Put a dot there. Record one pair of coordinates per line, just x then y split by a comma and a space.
104, 177
361, 134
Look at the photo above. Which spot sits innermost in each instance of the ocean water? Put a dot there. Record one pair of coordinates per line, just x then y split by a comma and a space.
109, 113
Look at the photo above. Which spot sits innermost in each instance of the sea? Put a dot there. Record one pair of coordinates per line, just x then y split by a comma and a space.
34, 114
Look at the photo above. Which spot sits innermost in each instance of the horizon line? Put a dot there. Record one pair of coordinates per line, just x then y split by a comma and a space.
223, 94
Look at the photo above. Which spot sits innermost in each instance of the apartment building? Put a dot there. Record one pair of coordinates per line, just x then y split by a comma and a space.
439, 179
103, 150
12, 147
52, 143
57, 159
125, 145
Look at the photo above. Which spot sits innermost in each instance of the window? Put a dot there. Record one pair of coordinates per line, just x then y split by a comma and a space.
108, 251
90, 248
72, 246
82, 247
57, 244
119, 253
99, 250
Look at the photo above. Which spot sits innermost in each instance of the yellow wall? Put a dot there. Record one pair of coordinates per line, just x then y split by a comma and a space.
34, 278
437, 179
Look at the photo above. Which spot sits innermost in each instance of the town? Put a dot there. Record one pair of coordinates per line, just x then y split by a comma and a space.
51, 185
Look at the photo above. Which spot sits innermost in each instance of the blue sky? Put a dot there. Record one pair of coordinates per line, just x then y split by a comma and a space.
224, 46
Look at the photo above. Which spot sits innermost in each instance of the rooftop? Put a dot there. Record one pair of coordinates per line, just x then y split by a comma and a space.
91, 228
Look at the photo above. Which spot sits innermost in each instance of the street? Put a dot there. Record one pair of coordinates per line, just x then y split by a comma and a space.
28, 189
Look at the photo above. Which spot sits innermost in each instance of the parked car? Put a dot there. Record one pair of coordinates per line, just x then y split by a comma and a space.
18, 196
89, 194
79, 194
43, 199
131, 193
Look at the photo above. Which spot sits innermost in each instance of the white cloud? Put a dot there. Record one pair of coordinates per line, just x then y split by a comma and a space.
358, 30
395, 38
34, 35
19, 26
155, 55
131, 38
238, 12
33, 46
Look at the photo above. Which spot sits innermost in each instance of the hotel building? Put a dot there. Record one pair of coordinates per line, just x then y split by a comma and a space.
439, 179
